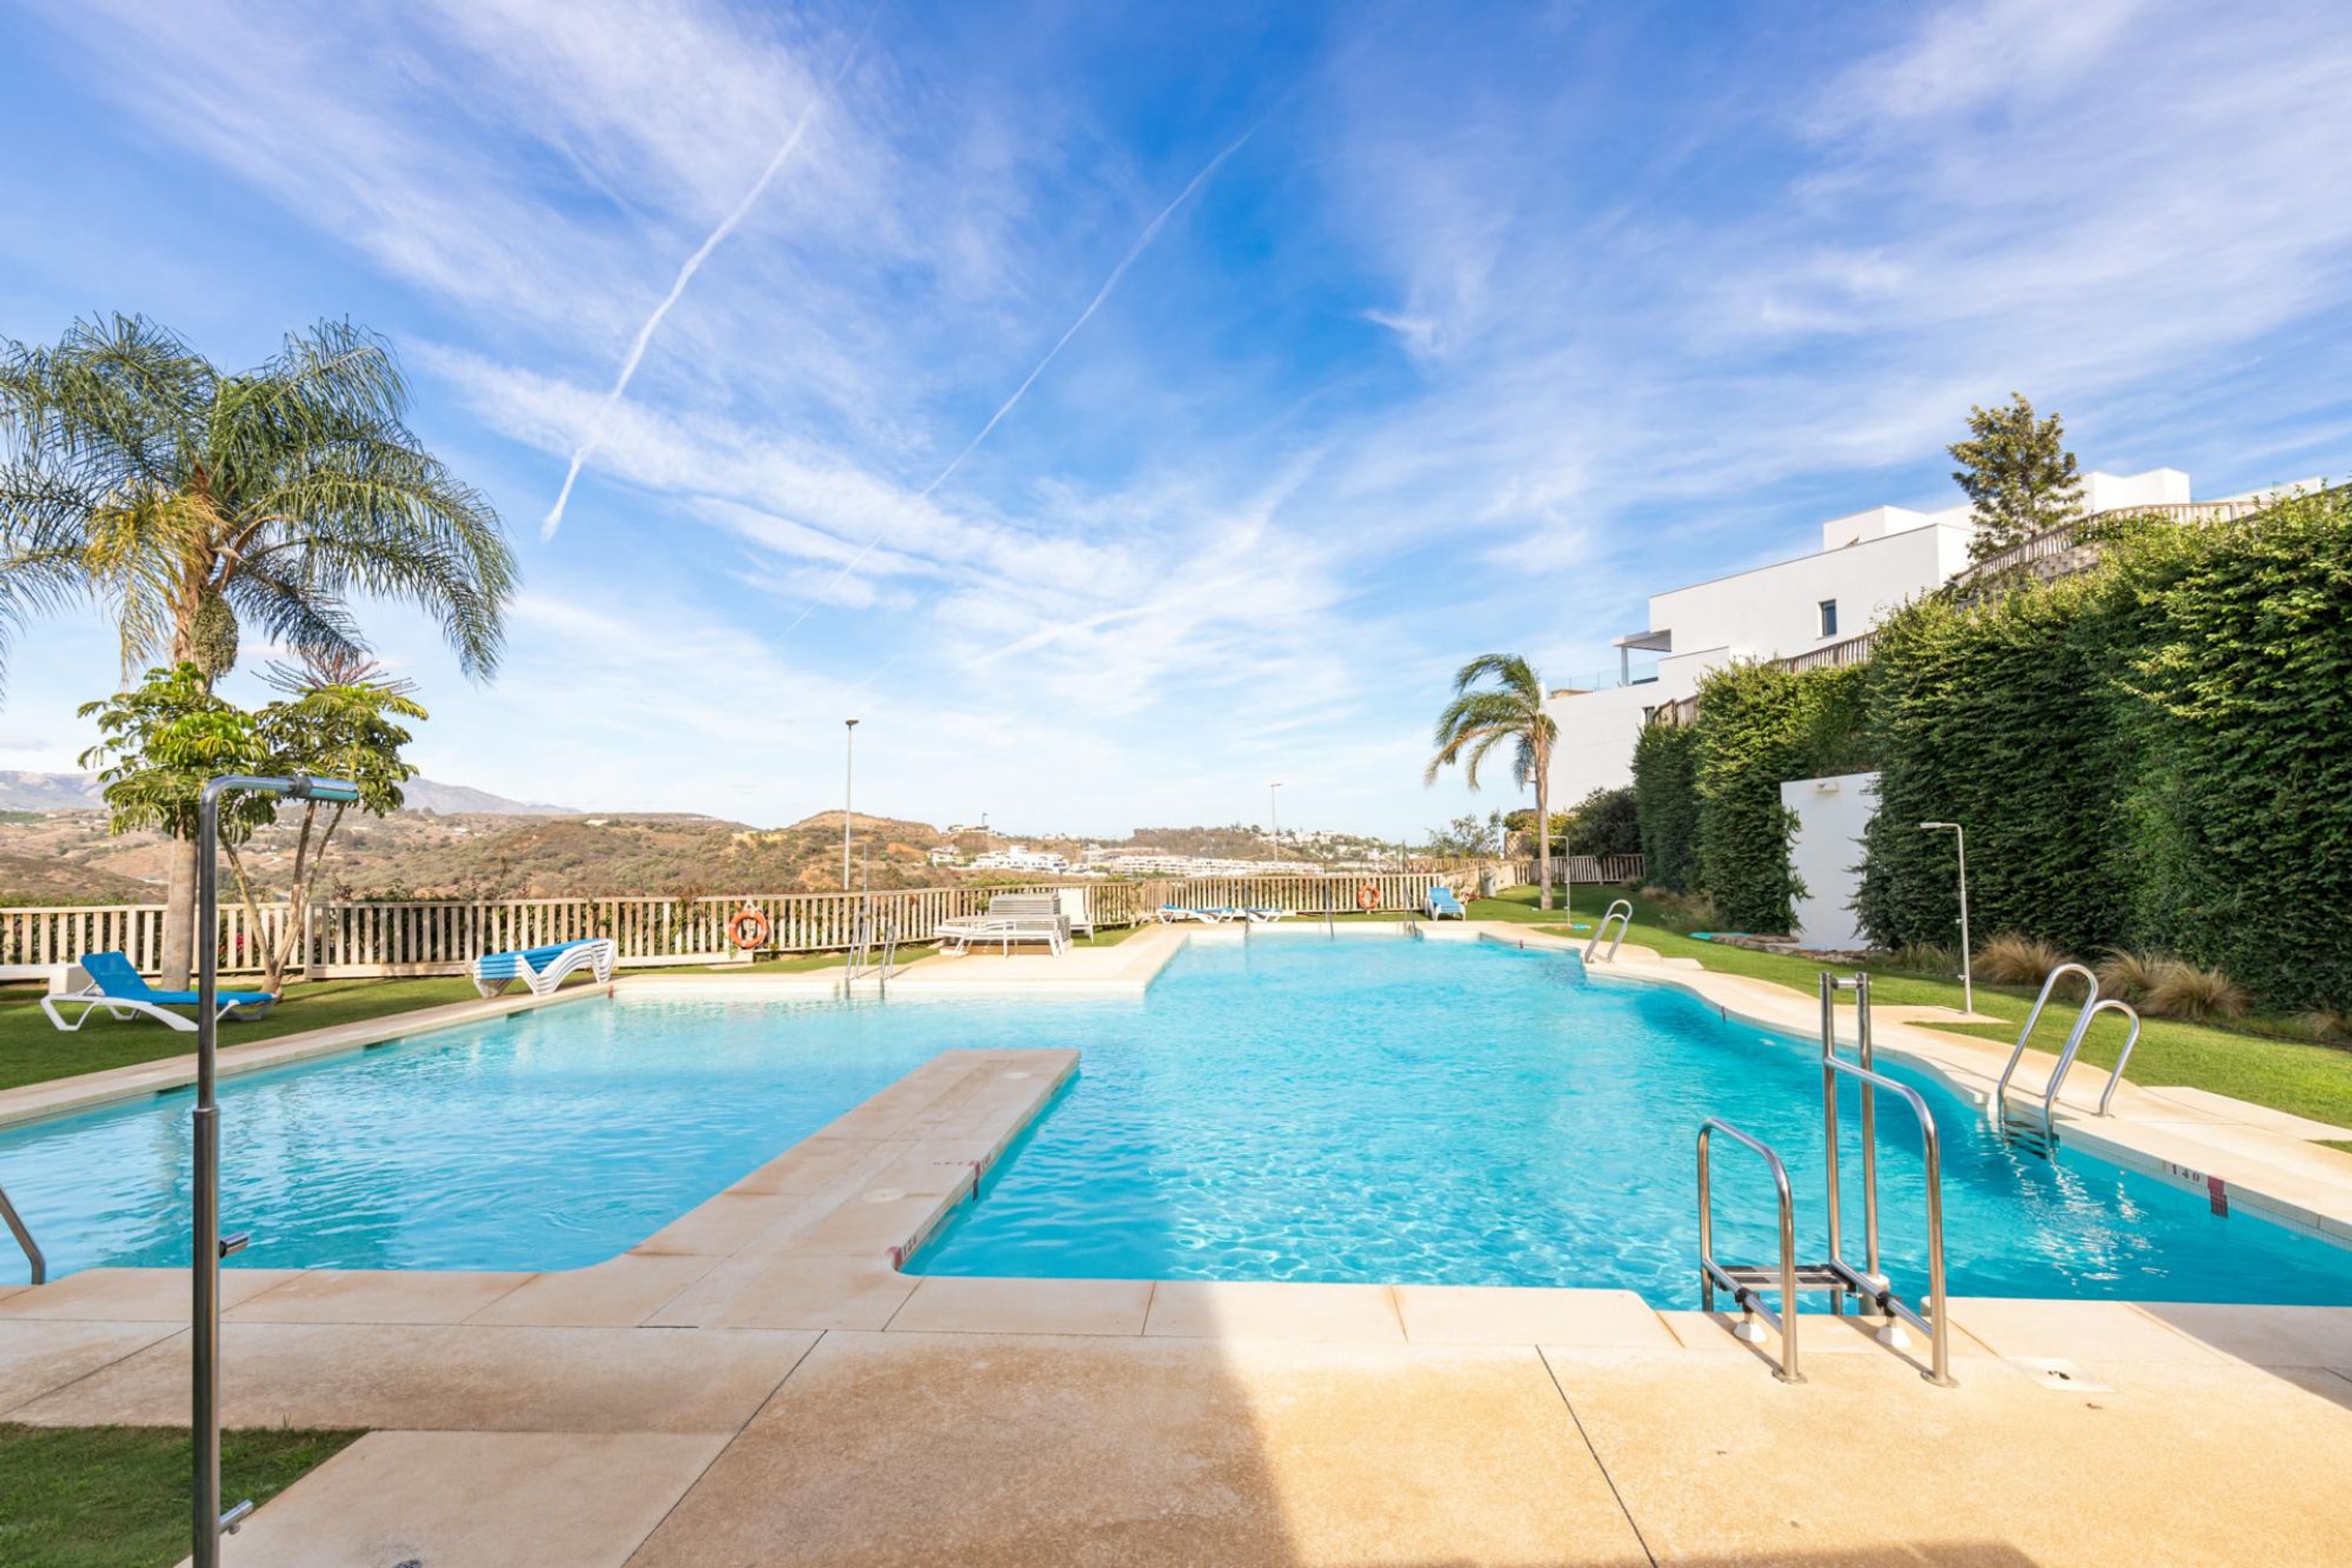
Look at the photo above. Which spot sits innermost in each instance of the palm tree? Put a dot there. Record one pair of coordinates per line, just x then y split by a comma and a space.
1481, 718
196, 504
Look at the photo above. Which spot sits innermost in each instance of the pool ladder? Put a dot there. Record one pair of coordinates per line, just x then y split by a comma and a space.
1622, 911
2036, 1127
861, 955
15, 1223
1750, 1283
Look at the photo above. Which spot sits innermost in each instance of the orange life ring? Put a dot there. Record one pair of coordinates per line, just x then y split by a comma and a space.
749, 929
1368, 898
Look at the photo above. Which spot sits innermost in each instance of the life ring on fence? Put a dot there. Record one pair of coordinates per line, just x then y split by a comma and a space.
749, 929
1368, 898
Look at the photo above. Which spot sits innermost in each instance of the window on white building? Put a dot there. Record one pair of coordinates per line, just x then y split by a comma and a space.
1829, 617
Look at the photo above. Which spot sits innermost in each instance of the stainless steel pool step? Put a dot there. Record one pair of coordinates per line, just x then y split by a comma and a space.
15, 1223
1766, 1277
2036, 1127
1748, 1283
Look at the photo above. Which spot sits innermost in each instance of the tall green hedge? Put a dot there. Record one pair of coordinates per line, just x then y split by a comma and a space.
2002, 717
1759, 726
1665, 804
2240, 690
2155, 755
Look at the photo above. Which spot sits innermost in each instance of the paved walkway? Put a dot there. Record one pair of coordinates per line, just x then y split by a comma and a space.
758, 1383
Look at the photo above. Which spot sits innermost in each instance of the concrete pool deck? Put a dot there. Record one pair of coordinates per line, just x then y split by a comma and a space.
758, 1383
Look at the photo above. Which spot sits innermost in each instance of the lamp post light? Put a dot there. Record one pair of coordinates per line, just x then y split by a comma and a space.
208, 1248
1960, 841
1273, 814
848, 791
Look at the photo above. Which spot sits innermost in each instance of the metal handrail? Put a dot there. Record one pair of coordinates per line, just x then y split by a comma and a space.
1870, 1282
1620, 910
1712, 1273
890, 957
2074, 1047
15, 1223
2074, 1035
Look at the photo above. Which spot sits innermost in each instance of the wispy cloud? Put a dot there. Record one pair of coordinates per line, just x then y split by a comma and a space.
692, 264
1535, 313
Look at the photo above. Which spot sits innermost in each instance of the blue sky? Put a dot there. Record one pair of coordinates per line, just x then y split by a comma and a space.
1120, 407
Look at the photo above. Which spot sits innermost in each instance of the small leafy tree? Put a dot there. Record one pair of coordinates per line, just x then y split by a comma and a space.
1604, 823
1510, 713
340, 720
162, 742
1467, 837
2016, 469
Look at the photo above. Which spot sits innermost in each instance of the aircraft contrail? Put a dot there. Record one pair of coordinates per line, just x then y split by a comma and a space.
1142, 241
727, 226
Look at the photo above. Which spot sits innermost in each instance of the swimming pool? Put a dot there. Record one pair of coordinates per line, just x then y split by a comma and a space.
1298, 1108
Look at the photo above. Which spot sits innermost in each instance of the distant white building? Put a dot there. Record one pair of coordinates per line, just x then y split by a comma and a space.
1869, 565
1019, 858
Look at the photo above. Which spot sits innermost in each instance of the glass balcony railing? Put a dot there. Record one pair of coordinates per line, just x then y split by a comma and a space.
1640, 672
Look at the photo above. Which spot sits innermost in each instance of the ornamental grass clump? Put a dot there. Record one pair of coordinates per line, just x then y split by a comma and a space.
2196, 994
2012, 959
2130, 976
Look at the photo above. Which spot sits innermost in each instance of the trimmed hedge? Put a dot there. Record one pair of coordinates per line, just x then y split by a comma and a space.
2000, 718
1759, 726
2157, 754
1665, 805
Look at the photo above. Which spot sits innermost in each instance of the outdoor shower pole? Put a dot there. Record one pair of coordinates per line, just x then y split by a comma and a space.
206, 1248
848, 791
1968, 980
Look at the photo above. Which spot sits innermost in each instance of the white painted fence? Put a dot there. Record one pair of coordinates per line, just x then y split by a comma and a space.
442, 936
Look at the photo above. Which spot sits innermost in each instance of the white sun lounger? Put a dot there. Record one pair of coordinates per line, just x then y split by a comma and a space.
543, 969
1010, 917
114, 986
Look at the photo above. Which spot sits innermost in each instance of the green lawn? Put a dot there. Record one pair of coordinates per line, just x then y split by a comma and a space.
117, 1496
31, 1051
2297, 1076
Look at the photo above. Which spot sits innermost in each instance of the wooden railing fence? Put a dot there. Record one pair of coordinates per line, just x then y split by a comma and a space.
442, 936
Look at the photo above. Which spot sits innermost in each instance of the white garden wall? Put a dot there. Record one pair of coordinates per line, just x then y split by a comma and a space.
1825, 851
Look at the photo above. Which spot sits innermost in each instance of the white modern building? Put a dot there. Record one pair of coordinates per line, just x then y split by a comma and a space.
1869, 565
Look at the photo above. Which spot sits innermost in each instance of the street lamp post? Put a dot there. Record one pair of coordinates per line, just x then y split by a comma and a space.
848, 791
1960, 841
1273, 814
208, 1248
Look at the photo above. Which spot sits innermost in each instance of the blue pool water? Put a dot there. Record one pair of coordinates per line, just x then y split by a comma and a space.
1297, 1108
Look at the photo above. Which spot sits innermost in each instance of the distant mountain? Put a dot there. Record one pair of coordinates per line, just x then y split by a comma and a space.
49, 792
80, 792
451, 800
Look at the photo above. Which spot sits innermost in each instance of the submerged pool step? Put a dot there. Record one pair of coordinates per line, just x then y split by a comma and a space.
1767, 1276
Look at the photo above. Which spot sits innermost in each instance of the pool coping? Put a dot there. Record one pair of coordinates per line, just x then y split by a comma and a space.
815, 1239
2235, 1154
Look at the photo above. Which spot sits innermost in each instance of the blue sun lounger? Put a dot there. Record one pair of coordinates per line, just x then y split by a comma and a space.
1439, 904
115, 987
543, 969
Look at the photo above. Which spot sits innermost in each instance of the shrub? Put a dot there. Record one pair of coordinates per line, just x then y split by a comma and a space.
1759, 726
2327, 1025
2128, 974
1605, 822
1927, 958
1665, 805
1692, 911
2013, 959
2200, 995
